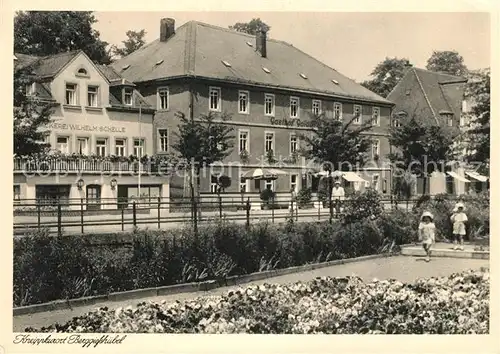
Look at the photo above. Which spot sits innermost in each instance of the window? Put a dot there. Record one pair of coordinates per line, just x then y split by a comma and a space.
357, 114
269, 141
82, 72
127, 96
52, 194
17, 192
293, 143
63, 144
375, 148
316, 107
337, 111
163, 98
449, 119
269, 104
464, 106
100, 146
243, 141
120, 147
243, 184
92, 96
71, 94
93, 197
294, 107
213, 184
269, 184
293, 183
163, 140
375, 116
375, 182
396, 122
214, 99
138, 147
82, 146
243, 102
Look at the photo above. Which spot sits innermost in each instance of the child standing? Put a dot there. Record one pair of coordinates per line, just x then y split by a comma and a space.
427, 233
459, 218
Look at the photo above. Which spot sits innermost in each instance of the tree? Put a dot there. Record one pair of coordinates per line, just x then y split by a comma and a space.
31, 115
478, 134
200, 143
420, 149
336, 146
135, 40
251, 27
386, 75
448, 62
42, 33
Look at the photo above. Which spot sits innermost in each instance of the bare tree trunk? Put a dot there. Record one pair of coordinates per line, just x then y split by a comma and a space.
193, 205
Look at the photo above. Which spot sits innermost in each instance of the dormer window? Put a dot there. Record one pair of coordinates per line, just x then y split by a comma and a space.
30, 89
127, 96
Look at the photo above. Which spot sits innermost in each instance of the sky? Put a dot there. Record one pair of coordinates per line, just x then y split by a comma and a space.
351, 42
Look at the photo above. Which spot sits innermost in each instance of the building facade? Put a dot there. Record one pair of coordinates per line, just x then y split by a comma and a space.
438, 99
101, 127
269, 89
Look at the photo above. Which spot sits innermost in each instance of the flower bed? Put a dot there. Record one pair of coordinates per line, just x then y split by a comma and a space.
458, 304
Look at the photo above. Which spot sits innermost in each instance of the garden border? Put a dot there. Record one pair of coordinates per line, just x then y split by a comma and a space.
184, 288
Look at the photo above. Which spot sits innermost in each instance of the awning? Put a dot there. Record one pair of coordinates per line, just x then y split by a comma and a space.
477, 176
457, 177
352, 177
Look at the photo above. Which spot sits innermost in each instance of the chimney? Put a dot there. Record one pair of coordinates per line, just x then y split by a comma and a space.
167, 29
261, 39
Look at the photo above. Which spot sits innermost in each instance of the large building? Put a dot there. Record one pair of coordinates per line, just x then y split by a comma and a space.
101, 126
437, 99
268, 87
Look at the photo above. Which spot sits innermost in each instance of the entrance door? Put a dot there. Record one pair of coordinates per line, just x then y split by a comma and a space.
122, 197
93, 197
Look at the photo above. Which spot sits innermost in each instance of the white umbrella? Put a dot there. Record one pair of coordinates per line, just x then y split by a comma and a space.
263, 173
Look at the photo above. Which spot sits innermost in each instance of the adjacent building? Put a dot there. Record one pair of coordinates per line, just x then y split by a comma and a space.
269, 88
437, 99
101, 127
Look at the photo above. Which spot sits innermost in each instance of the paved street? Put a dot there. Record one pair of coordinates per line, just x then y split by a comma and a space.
405, 269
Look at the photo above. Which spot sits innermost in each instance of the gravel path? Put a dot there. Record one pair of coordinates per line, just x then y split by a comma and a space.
405, 269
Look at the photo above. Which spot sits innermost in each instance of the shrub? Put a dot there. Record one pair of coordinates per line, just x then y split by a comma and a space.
304, 197
267, 195
362, 205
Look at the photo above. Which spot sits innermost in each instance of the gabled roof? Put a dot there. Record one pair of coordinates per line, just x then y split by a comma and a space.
198, 49
434, 85
47, 66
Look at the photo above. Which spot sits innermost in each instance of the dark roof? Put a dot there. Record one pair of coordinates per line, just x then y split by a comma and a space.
108, 72
47, 66
198, 49
433, 85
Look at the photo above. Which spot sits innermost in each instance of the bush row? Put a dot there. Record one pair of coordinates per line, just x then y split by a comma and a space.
50, 268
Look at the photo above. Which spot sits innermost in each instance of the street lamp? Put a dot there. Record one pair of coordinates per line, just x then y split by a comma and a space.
113, 184
80, 184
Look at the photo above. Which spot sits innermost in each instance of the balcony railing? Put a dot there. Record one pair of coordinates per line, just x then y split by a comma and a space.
69, 164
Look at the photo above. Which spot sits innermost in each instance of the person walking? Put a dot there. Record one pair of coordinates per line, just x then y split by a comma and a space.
427, 233
459, 218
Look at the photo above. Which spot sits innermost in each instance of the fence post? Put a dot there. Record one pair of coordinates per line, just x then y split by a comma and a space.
81, 213
159, 205
220, 206
248, 213
59, 217
134, 216
320, 205
38, 213
272, 209
123, 216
